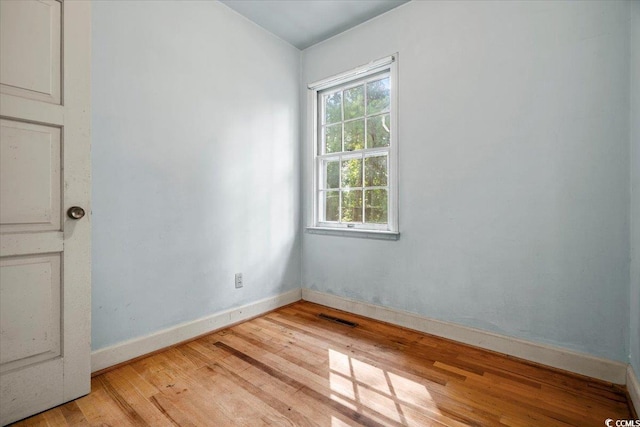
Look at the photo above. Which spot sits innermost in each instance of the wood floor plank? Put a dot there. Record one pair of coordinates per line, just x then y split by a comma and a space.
145, 388
272, 400
181, 396
137, 402
235, 402
55, 418
39, 420
178, 415
117, 395
292, 367
100, 409
73, 414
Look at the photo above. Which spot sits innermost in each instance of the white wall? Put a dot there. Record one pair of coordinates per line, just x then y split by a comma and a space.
195, 164
514, 170
635, 189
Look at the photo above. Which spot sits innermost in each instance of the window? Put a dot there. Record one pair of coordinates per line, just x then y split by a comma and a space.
355, 151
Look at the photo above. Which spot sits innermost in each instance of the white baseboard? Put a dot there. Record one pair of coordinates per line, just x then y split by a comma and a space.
121, 352
604, 369
595, 367
633, 387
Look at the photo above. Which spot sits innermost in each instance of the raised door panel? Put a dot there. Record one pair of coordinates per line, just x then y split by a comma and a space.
29, 177
30, 45
18, 400
29, 310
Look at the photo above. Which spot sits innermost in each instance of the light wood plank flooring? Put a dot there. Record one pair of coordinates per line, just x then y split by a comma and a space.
293, 368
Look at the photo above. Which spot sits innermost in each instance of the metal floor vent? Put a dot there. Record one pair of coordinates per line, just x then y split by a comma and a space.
337, 320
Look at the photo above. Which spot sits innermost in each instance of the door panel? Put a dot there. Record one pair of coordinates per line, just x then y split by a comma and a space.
30, 45
29, 177
49, 377
45, 257
29, 310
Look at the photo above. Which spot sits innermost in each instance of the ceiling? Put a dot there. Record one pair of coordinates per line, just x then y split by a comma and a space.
306, 22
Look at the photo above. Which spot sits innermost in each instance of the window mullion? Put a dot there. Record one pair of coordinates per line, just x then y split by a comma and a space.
366, 124
366, 145
320, 130
340, 189
319, 200
342, 119
342, 149
363, 184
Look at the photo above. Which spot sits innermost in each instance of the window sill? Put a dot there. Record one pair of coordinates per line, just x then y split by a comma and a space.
349, 232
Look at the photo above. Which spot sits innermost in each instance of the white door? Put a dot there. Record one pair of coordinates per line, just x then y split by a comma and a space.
45, 271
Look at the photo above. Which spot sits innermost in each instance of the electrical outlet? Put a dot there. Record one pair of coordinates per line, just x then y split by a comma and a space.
238, 280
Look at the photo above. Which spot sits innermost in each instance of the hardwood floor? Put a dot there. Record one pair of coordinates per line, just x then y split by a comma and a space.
293, 368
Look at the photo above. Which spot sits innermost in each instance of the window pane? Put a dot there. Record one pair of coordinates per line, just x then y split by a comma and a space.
333, 138
354, 135
331, 205
375, 209
352, 173
332, 174
375, 171
354, 102
352, 206
378, 131
333, 108
378, 96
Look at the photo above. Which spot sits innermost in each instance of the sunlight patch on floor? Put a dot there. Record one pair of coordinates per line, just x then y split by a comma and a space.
357, 384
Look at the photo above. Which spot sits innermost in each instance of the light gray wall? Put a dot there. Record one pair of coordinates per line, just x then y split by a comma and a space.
635, 189
514, 170
195, 164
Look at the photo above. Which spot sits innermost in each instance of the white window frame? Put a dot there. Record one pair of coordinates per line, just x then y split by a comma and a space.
356, 77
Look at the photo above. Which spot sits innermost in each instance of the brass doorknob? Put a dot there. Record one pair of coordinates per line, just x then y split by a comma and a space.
75, 212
